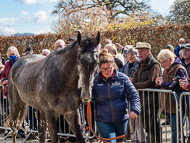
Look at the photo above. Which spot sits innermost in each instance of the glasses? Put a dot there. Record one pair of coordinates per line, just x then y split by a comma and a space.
181, 42
130, 55
106, 69
163, 62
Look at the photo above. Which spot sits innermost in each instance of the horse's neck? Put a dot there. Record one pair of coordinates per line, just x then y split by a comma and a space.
68, 61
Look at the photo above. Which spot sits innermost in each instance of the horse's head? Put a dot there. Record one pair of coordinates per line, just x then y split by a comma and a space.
87, 64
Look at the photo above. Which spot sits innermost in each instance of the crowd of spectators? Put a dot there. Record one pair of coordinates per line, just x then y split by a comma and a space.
120, 72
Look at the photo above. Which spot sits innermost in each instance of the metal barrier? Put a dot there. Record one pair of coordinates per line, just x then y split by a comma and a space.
150, 94
186, 102
155, 95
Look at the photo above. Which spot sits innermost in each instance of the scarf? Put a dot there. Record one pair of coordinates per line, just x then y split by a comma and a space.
13, 58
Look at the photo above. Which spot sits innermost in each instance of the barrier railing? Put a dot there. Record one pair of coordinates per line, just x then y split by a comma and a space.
184, 100
153, 96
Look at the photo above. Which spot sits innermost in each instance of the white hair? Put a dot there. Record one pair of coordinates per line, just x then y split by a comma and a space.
60, 41
46, 51
13, 48
182, 39
165, 54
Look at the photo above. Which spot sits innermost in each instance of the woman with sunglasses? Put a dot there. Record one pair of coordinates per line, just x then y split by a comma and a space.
112, 90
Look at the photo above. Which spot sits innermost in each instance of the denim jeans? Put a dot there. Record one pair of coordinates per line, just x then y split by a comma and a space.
112, 130
174, 127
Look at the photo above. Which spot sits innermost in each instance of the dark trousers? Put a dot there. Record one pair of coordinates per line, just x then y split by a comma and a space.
151, 123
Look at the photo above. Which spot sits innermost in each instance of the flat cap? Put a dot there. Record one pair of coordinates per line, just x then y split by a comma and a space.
170, 47
186, 46
143, 45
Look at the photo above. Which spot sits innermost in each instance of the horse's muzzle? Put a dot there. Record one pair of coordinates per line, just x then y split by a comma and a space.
85, 98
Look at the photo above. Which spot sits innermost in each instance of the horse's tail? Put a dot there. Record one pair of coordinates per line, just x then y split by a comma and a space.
20, 119
6, 120
23, 113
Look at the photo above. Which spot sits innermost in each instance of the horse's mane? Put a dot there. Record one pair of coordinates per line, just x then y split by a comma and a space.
86, 42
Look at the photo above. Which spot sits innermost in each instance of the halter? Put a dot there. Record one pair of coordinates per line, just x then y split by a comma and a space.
88, 51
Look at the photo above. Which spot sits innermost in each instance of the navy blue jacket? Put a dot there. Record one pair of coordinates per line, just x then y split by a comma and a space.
176, 51
111, 99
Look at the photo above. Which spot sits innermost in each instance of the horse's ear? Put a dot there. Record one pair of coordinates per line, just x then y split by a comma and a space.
98, 38
79, 38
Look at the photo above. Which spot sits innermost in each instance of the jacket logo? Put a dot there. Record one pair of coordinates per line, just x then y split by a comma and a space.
100, 84
116, 83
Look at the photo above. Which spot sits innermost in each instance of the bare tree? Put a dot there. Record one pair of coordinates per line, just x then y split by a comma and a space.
159, 19
101, 15
179, 12
115, 7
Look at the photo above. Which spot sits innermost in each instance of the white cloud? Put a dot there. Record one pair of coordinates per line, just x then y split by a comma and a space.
6, 31
24, 13
8, 21
36, 1
40, 16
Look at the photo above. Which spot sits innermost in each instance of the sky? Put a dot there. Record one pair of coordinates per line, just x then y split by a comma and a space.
34, 16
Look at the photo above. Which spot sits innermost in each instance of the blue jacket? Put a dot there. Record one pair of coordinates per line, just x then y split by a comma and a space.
176, 51
111, 99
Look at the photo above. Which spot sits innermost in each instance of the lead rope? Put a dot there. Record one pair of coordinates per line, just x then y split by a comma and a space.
89, 119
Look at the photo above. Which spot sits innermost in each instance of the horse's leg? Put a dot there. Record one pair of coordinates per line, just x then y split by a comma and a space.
74, 122
16, 106
42, 132
14, 123
52, 125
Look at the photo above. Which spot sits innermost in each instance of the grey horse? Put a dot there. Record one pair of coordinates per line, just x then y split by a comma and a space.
54, 85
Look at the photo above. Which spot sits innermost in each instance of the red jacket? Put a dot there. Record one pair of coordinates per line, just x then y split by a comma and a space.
6, 70
5, 74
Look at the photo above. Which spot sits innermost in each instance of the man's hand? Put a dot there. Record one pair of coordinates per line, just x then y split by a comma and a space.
118, 46
133, 115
